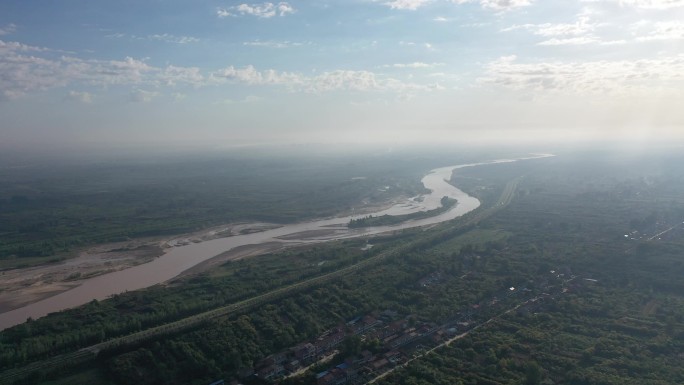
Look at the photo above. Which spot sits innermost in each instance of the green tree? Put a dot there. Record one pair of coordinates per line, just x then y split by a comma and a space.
533, 373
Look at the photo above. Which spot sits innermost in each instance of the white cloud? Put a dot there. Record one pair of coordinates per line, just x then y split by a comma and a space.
127, 71
263, 10
251, 75
172, 76
165, 37
338, 80
585, 31
142, 96
8, 29
246, 99
21, 73
23, 70
561, 34
415, 65
645, 4
505, 4
622, 77
272, 44
83, 97
581, 40
252, 99
344, 80
13, 46
362, 81
406, 4
117, 35
222, 12
581, 27
665, 30
499, 5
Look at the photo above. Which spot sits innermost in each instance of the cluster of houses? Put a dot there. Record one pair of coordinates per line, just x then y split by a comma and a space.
432, 279
290, 361
383, 327
399, 337
399, 340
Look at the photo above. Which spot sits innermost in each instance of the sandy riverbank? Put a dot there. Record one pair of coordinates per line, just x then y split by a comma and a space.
20, 287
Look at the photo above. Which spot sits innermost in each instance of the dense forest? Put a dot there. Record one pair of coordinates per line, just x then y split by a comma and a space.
576, 281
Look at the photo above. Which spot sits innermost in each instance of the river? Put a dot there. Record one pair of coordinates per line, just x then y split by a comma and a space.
182, 258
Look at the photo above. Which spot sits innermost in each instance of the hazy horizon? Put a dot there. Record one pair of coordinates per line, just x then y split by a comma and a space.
227, 73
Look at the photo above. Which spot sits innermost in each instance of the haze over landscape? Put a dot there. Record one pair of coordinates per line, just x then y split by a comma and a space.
329, 192
228, 73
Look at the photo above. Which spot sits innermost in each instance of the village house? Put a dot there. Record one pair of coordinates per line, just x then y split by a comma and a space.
363, 324
402, 339
339, 375
305, 352
329, 340
378, 364
366, 356
393, 356
270, 371
293, 365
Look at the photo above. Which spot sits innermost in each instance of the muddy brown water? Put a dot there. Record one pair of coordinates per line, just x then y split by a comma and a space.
182, 258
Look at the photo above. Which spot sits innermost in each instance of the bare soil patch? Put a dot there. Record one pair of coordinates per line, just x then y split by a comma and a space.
19, 287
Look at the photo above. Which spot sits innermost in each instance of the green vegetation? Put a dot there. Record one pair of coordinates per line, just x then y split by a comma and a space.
608, 308
626, 327
48, 210
388, 220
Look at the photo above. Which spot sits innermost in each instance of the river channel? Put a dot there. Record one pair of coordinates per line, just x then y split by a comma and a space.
182, 258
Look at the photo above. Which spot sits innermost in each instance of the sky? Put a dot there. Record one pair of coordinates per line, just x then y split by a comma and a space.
231, 73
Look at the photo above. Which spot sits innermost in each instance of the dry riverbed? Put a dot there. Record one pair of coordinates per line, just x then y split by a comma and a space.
19, 287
